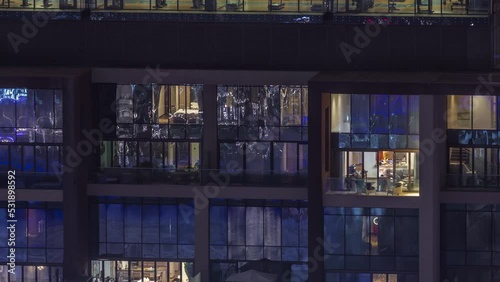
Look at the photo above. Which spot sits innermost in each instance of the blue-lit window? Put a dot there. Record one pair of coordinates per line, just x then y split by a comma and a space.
273, 230
376, 239
142, 229
280, 163
268, 113
374, 139
31, 135
470, 245
375, 121
39, 234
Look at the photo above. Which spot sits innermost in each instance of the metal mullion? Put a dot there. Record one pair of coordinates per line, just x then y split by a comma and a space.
485, 163
54, 110
243, 180
407, 118
142, 225
123, 227
47, 159
297, 157
263, 228
471, 111
245, 243
186, 113
9, 156
271, 162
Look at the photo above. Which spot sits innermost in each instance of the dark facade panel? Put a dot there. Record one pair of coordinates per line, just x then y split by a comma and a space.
256, 46
402, 49
250, 46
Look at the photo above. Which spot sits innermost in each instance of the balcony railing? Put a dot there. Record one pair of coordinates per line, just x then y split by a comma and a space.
198, 177
32, 180
368, 186
301, 7
473, 181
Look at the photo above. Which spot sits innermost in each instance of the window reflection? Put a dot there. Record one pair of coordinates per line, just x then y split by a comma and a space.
147, 230
142, 271
170, 155
472, 112
152, 108
377, 172
259, 162
33, 120
262, 113
371, 238
39, 234
247, 233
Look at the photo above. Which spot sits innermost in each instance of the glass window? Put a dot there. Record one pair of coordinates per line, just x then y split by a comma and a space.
484, 114
255, 232
379, 119
291, 105
262, 113
285, 157
237, 224
168, 224
147, 230
114, 219
398, 121
360, 113
370, 239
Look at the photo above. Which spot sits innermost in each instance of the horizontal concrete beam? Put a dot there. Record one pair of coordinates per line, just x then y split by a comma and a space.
185, 191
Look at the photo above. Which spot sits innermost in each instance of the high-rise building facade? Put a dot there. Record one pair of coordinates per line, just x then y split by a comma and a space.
210, 141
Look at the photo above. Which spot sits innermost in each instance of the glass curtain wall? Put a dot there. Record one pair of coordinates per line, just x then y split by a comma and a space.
138, 229
39, 250
375, 141
262, 133
258, 234
157, 138
31, 136
473, 134
371, 244
470, 242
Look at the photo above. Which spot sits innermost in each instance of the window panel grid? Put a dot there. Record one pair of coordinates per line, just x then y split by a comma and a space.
133, 242
379, 232
39, 234
262, 113
274, 221
461, 245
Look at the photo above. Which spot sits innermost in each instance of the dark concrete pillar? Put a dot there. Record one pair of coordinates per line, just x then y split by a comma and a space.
209, 152
432, 178
318, 164
76, 102
209, 163
202, 242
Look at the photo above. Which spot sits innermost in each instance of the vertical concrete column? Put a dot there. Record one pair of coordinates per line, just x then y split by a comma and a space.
202, 242
432, 178
209, 146
209, 162
317, 159
75, 206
